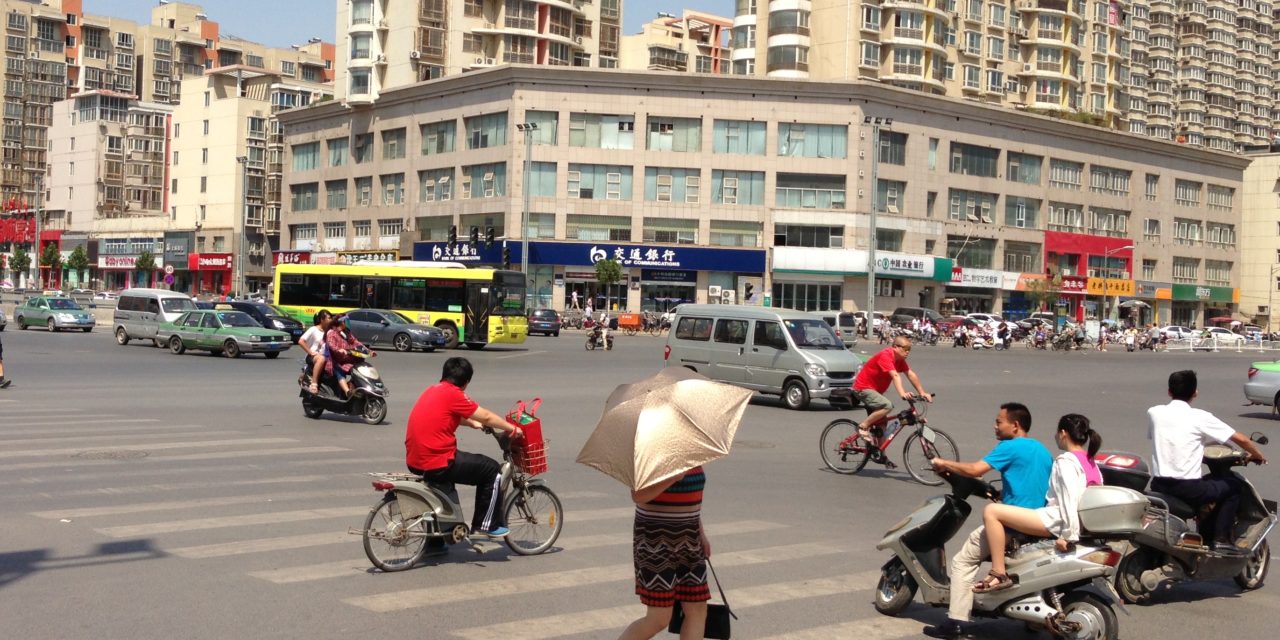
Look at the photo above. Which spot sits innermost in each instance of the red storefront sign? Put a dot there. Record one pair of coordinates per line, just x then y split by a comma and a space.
209, 262
1074, 284
291, 257
19, 230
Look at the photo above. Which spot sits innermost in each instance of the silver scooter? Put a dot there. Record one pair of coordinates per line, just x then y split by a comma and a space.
414, 516
1050, 591
1168, 549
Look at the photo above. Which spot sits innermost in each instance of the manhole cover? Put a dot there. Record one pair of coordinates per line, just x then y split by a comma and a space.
111, 454
753, 444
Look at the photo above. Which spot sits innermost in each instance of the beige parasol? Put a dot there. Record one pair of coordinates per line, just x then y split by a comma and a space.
664, 425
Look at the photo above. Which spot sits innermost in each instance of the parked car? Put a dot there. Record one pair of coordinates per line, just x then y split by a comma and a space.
904, 315
1223, 337
1176, 332
54, 313
268, 316
382, 326
845, 324
985, 318
1263, 384
877, 318
105, 295
3, 321
544, 321
230, 333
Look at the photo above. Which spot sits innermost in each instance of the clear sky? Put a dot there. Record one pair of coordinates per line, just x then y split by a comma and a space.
280, 23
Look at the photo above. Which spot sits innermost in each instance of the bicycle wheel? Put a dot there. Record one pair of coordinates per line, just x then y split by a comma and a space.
389, 544
917, 452
838, 456
535, 518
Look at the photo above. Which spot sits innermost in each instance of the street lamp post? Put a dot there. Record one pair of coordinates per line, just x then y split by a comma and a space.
244, 212
1271, 294
875, 123
1106, 277
528, 129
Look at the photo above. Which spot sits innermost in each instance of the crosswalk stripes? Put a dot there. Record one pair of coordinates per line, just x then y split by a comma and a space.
617, 617
221, 522
213, 455
430, 596
339, 569
113, 436
152, 446
201, 503
879, 628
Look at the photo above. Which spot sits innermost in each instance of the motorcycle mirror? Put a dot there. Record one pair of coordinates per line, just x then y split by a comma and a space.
1259, 437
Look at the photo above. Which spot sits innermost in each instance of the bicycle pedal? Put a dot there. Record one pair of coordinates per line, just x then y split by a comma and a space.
888, 465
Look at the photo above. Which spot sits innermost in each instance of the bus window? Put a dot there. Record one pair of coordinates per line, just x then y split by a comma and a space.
377, 293
446, 295
304, 290
409, 294
344, 291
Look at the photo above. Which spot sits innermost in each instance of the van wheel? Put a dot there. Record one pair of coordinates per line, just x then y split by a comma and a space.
795, 395
122, 336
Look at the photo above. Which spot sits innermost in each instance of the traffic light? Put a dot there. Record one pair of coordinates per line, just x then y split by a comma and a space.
453, 235
475, 236
506, 257
488, 238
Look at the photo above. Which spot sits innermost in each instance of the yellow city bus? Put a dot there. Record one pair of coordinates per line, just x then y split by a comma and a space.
474, 307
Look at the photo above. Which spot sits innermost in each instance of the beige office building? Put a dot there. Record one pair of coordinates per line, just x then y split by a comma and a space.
1260, 242
694, 42
706, 183
1198, 73
384, 44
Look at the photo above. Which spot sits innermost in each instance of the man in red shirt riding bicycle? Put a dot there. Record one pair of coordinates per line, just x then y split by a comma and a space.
431, 444
874, 378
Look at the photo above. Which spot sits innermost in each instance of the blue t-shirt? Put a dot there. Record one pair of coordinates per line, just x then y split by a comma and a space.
1024, 464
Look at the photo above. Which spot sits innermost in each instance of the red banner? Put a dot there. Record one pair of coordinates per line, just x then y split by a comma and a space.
19, 230
291, 257
209, 262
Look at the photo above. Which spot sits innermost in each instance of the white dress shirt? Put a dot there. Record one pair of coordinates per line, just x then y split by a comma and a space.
1178, 434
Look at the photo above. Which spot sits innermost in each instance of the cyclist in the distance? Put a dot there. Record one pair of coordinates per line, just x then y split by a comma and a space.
883, 369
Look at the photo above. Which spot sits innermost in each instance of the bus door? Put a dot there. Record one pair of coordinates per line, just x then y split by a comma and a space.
376, 294
477, 314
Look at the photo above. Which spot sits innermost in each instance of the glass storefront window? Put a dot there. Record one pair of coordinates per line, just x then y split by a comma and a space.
806, 297
541, 283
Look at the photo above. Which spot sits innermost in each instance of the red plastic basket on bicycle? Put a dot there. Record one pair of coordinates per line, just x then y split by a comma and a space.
530, 452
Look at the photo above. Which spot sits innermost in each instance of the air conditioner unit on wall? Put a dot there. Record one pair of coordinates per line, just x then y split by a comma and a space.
713, 291
414, 55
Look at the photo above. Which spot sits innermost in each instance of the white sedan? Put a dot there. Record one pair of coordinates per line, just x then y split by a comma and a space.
1175, 332
1224, 337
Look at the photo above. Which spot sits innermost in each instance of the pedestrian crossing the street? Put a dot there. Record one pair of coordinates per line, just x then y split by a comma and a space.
205, 497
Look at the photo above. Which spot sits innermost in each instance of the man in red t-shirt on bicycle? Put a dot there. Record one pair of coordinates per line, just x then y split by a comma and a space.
431, 444
874, 378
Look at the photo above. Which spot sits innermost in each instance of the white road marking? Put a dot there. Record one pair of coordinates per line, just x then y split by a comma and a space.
112, 436
222, 522
147, 507
217, 455
179, 486
154, 446
617, 617
876, 628
430, 596
343, 568
520, 355
97, 428
243, 547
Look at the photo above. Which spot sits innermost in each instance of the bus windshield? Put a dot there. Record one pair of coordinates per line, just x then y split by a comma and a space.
508, 294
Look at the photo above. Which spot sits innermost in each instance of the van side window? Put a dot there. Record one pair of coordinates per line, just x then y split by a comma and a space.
731, 331
769, 334
127, 303
153, 307
693, 329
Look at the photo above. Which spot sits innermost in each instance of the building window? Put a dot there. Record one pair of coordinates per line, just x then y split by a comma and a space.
1022, 257
361, 228
335, 194
438, 137
392, 189
1221, 198
359, 82
390, 227
548, 123
542, 179
737, 187
1187, 193
1108, 222
1022, 213
306, 157
393, 144
675, 134
305, 197
363, 148
813, 140
484, 181
810, 191
807, 297
1221, 234
599, 131
1153, 186
339, 148
813, 236
671, 230
1151, 230
973, 160
1186, 231
893, 147
971, 252
1217, 273
739, 137
1109, 181
972, 206
1148, 269
1066, 217
1023, 168
335, 231
889, 196
435, 185
889, 239
871, 53
732, 233
364, 191
1186, 270
668, 184
599, 182
486, 131
1064, 174
598, 228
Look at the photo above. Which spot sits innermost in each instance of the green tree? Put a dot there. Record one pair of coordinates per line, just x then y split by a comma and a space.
20, 261
1043, 291
51, 258
146, 263
608, 272
78, 262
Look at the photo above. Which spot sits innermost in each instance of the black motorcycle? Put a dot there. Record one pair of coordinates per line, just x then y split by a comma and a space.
368, 399
596, 338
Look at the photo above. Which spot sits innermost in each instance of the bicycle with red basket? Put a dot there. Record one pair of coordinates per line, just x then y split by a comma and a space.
413, 512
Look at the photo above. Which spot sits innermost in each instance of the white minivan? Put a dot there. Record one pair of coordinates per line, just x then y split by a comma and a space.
793, 354
140, 312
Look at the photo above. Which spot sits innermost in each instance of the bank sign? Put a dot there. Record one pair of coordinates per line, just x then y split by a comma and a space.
586, 254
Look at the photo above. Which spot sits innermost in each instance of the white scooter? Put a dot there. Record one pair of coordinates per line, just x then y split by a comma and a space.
1050, 592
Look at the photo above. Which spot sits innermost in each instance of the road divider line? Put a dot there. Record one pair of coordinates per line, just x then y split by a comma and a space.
432, 596
147, 507
58, 464
308, 573
113, 436
244, 547
520, 355
616, 617
154, 446
223, 522
876, 628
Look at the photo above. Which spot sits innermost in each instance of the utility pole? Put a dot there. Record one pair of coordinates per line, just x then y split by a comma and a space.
875, 192
528, 129
243, 282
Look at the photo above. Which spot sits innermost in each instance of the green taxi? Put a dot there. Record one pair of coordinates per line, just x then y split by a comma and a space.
230, 333
54, 313
1263, 384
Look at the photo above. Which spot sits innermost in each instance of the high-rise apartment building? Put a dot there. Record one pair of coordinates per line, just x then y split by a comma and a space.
1197, 72
390, 43
695, 42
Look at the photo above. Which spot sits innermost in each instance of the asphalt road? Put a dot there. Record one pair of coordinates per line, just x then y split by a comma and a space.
149, 495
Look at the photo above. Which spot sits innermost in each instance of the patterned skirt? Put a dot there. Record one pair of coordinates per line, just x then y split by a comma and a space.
668, 558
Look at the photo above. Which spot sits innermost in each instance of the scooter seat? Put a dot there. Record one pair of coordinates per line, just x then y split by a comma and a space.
1017, 539
1177, 506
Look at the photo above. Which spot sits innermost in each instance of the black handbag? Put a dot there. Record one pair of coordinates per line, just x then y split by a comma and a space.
717, 614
